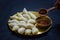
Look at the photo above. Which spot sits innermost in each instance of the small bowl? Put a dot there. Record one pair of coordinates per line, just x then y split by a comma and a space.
43, 22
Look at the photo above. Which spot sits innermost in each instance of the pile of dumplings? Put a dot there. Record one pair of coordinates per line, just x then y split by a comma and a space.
23, 22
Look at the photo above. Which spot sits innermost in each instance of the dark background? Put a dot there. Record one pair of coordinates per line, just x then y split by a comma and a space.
10, 7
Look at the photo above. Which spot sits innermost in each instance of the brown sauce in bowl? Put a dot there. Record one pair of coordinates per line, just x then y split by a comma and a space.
43, 21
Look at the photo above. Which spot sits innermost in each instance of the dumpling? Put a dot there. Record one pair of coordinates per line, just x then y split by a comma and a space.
27, 31
34, 30
27, 16
13, 17
21, 30
22, 23
21, 16
29, 25
25, 11
15, 28
13, 24
29, 13
32, 15
13, 21
31, 21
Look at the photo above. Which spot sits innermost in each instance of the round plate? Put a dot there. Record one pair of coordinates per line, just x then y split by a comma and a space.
41, 31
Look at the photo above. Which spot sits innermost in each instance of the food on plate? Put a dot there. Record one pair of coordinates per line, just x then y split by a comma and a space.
26, 13
23, 22
15, 17
29, 25
21, 16
32, 15
21, 30
15, 28
13, 21
35, 30
26, 16
28, 31
32, 21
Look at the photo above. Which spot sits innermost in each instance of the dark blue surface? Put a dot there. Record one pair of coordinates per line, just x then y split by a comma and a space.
10, 7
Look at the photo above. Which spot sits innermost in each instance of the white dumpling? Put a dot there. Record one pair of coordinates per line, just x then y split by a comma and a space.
21, 30
25, 11
34, 30
29, 25
21, 16
32, 15
15, 28
27, 16
13, 21
14, 17
22, 23
31, 21
13, 24
27, 31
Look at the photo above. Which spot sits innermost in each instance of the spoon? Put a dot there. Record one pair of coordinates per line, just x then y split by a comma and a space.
44, 12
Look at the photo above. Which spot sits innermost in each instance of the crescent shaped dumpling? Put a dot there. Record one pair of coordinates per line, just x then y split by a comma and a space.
34, 30
21, 30
28, 31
